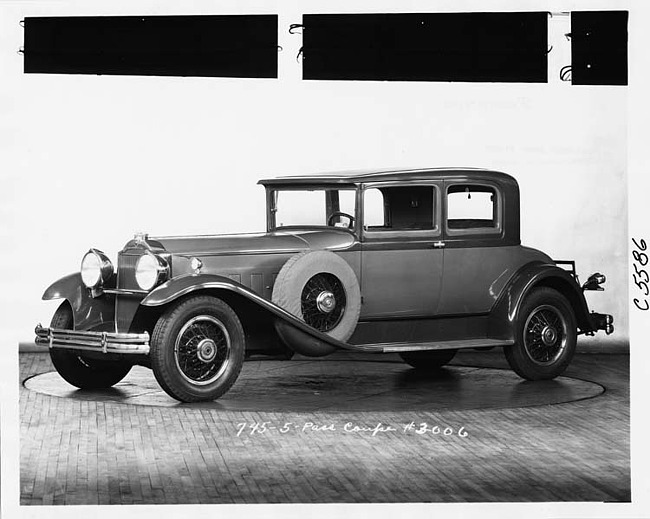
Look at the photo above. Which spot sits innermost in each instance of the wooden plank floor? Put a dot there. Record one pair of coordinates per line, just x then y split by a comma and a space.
97, 452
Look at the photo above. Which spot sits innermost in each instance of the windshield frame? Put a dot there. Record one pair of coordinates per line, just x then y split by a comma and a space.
272, 198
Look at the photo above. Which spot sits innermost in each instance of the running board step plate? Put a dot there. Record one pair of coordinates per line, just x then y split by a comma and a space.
392, 347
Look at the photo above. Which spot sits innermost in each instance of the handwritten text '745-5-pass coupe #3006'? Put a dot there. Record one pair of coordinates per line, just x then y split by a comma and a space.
420, 262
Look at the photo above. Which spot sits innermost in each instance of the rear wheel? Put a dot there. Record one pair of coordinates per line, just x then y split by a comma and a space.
197, 349
428, 360
546, 334
81, 371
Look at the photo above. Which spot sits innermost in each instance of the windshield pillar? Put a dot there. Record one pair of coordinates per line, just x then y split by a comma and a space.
271, 208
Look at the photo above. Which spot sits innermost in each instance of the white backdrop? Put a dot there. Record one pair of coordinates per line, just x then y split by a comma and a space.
95, 158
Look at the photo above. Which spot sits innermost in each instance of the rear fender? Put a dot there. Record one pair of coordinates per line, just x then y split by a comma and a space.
505, 314
88, 312
299, 336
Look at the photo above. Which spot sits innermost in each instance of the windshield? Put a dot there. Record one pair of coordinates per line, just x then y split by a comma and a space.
334, 207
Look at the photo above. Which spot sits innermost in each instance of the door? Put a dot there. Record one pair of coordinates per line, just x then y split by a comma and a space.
401, 250
477, 265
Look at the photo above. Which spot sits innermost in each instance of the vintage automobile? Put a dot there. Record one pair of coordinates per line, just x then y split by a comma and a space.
420, 262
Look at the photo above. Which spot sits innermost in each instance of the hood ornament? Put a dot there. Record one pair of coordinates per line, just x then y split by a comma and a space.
140, 237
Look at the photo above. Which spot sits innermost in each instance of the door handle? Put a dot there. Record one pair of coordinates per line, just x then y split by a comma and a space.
438, 245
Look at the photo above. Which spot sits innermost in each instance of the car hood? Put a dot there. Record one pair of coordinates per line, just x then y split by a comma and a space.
274, 242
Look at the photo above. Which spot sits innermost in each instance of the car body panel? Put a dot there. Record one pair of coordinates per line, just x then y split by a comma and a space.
399, 282
285, 242
358, 177
474, 277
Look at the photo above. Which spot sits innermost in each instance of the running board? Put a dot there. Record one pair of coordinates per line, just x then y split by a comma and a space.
392, 347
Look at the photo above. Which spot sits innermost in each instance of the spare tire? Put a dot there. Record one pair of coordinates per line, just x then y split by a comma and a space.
320, 288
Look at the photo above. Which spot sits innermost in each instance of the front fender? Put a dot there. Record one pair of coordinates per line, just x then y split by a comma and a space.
182, 285
64, 288
504, 315
89, 313
296, 334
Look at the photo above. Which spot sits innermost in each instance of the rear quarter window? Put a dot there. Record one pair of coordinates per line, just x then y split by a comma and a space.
472, 208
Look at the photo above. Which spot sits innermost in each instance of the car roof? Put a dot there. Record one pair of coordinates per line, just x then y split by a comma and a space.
389, 175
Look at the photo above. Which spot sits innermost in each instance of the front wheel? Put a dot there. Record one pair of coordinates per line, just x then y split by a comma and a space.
79, 370
197, 349
546, 334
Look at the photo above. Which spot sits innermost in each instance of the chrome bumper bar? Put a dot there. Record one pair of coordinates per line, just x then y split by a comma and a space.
104, 342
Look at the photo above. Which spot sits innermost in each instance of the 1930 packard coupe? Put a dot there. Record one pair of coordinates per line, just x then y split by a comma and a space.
419, 262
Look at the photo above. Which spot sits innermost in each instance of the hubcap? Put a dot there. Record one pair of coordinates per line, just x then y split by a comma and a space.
207, 350
549, 335
202, 350
326, 302
545, 335
323, 301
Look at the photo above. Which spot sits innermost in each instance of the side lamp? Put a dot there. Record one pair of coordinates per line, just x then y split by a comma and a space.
594, 281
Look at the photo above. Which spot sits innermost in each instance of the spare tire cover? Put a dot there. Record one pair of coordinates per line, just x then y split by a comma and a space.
320, 288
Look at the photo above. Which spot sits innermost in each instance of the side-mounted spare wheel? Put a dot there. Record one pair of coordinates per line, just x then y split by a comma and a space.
79, 370
320, 288
546, 334
197, 349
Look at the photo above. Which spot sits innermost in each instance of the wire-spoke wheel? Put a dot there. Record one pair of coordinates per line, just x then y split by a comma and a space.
197, 349
322, 301
546, 333
202, 349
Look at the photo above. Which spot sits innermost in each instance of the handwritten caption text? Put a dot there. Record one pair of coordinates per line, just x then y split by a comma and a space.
421, 428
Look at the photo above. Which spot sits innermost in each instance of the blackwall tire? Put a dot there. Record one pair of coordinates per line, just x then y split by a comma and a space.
78, 370
197, 349
546, 335
428, 360
303, 287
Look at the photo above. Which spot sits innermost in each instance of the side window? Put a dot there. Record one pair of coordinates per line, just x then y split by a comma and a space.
472, 207
399, 208
373, 209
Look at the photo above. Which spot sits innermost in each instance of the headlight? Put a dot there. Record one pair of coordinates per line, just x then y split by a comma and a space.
150, 271
96, 268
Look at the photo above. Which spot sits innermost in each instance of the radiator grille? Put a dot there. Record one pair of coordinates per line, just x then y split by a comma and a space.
126, 306
126, 271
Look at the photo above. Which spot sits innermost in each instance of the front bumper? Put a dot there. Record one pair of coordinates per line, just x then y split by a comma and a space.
102, 342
